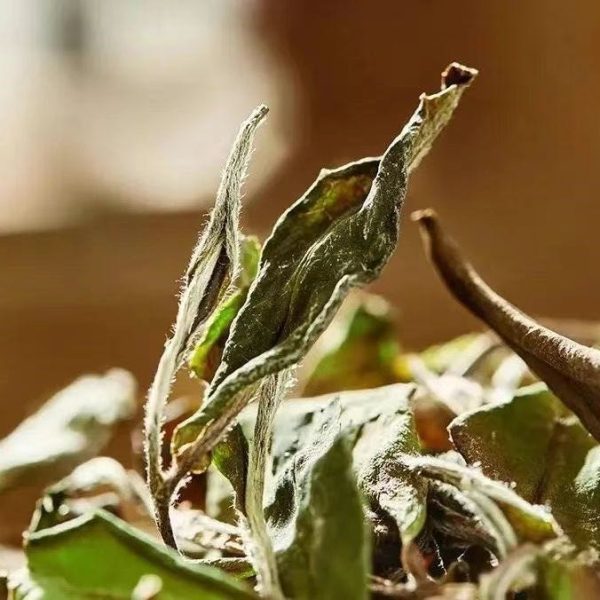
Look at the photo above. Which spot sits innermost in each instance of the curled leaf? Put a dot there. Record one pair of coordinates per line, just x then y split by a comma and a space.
339, 235
215, 261
571, 370
72, 427
216, 329
380, 428
505, 510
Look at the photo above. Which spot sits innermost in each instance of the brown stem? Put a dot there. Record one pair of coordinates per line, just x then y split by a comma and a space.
571, 370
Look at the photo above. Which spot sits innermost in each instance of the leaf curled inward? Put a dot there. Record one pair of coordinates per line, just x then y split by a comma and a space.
215, 263
339, 235
571, 370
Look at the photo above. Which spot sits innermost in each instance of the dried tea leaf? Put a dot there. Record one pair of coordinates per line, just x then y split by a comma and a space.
198, 533
381, 428
215, 262
316, 519
100, 556
359, 350
202, 361
511, 440
73, 426
260, 547
509, 515
551, 458
572, 371
339, 235
230, 457
390, 487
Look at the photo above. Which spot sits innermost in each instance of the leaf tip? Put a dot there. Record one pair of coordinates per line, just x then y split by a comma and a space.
259, 113
458, 74
428, 222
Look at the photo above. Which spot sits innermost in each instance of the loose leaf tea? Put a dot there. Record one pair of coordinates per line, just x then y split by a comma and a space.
99, 556
469, 470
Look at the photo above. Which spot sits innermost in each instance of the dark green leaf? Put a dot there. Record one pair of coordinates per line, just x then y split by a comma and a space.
381, 428
316, 519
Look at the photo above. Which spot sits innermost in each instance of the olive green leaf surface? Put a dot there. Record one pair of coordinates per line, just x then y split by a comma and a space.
71, 427
316, 519
100, 556
549, 456
339, 235
380, 427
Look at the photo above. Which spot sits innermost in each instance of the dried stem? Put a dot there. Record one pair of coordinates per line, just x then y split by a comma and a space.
263, 557
571, 370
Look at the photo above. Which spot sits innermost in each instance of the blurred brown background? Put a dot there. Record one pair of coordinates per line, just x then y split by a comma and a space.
117, 116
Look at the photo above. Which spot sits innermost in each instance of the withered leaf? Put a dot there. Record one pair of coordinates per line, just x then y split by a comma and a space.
550, 457
380, 427
214, 264
216, 328
71, 427
339, 235
509, 518
316, 519
571, 370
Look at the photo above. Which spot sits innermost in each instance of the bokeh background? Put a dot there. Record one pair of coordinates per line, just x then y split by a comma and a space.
116, 117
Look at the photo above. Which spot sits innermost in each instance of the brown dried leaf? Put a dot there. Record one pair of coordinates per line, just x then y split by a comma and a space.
571, 370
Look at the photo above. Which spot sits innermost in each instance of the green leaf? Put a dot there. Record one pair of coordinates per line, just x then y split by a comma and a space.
71, 427
316, 519
380, 425
359, 351
391, 487
550, 457
339, 235
99, 556
216, 328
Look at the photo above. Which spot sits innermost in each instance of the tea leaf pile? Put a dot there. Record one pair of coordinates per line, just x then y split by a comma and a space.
350, 468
